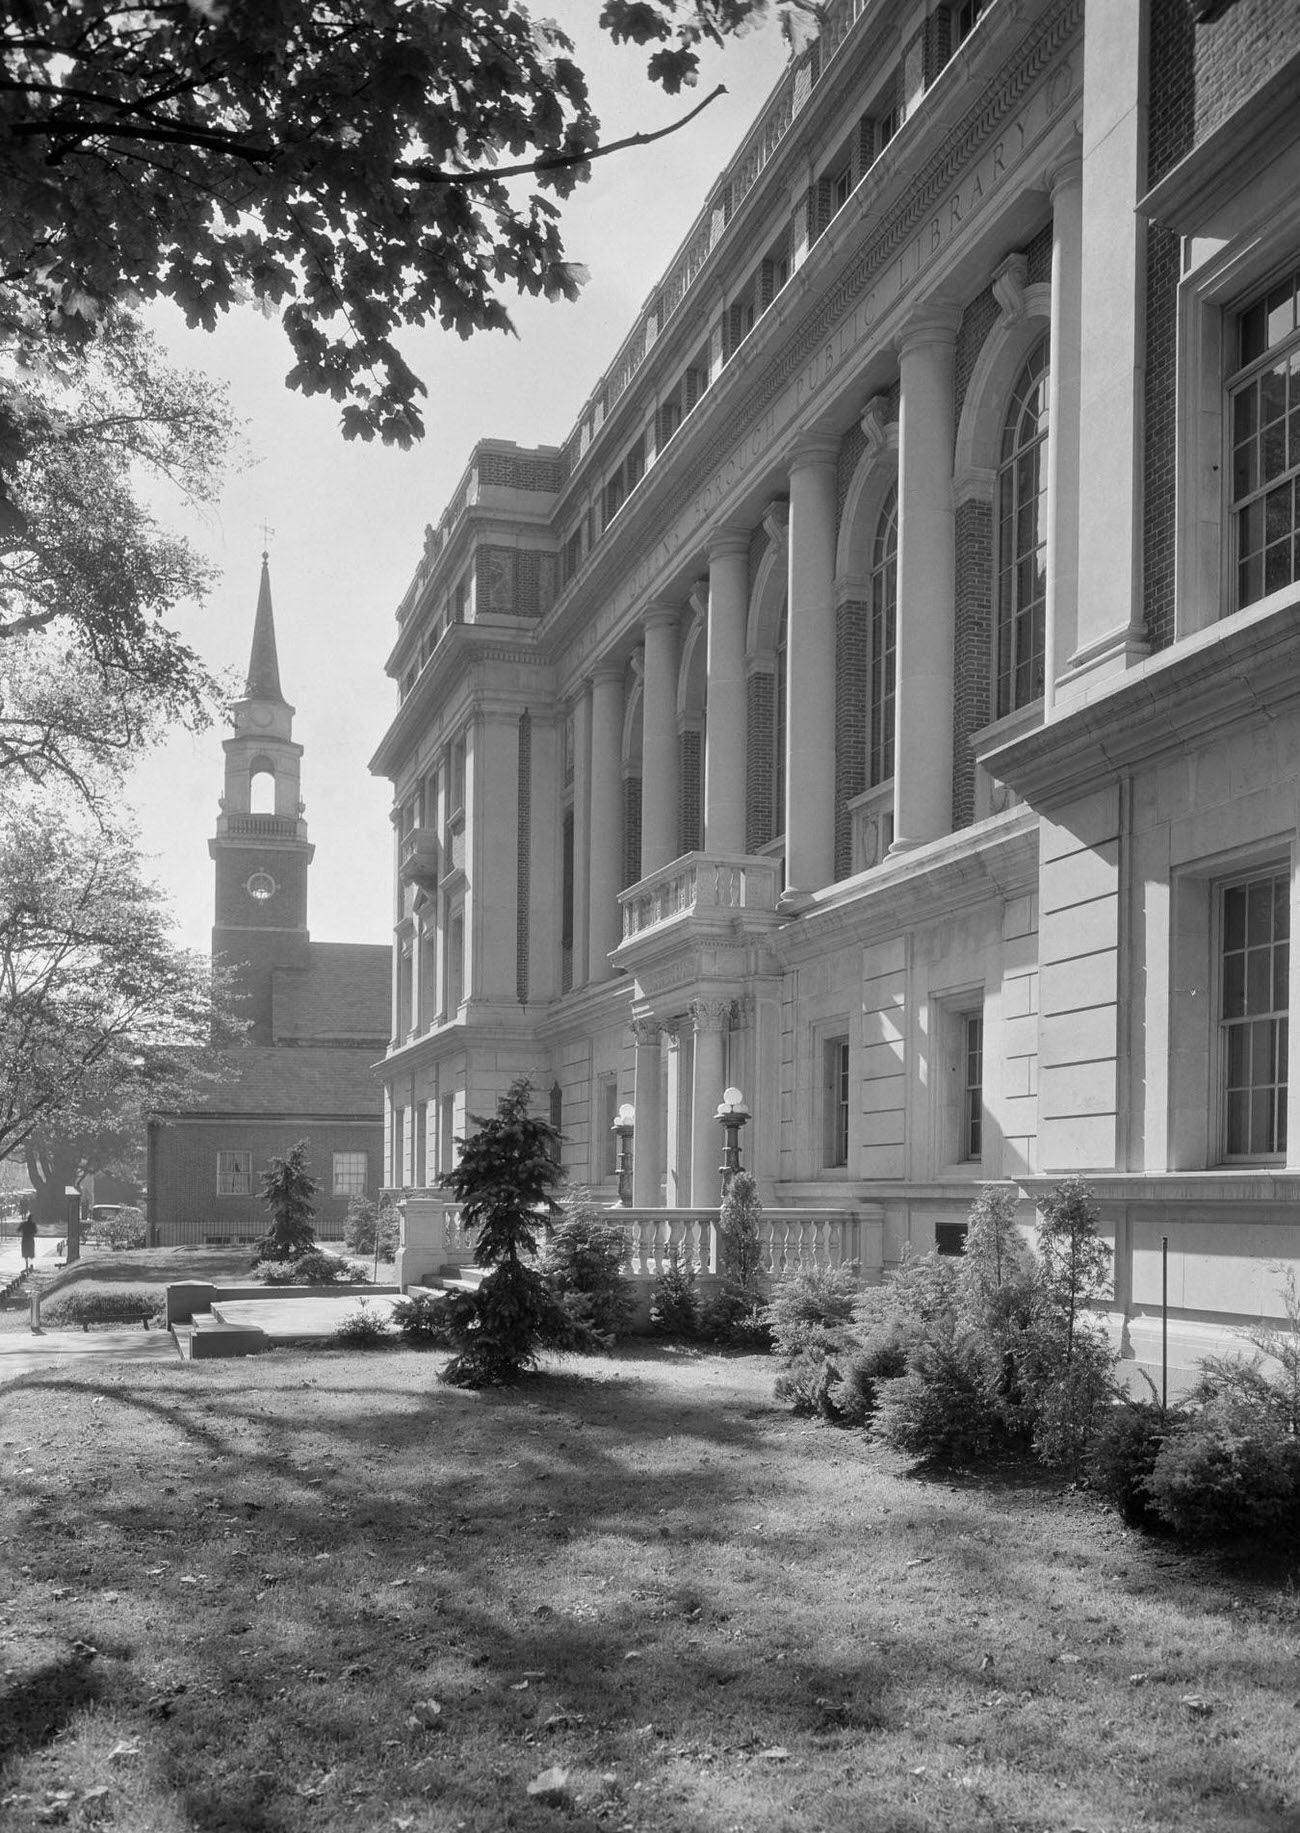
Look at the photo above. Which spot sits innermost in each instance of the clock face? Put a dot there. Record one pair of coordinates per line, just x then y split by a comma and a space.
261, 886
261, 715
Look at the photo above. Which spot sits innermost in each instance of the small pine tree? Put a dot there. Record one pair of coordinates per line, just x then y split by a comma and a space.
675, 1305
583, 1265
287, 1190
1076, 1261
506, 1176
1068, 1366
740, 1247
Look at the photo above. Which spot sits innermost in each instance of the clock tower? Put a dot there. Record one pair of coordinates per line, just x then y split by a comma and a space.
261, 852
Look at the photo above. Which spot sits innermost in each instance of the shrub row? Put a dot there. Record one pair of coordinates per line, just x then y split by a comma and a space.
127, 1306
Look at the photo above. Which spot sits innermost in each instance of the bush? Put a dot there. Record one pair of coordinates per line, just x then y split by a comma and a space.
1069, 1401
1227, 1471
90, 1307
364, 1329
315, 1268
855, 1389
675, 1304
812, 1308
126, 1229
939, 1411
1124, 1454
583, 1266
368, 1222
740, 1247
804, 1384
425, 1322
736, 1318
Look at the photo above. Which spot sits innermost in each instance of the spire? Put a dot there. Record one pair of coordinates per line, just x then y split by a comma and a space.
263, 665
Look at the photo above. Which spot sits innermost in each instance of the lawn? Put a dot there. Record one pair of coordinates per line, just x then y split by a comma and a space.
320, 1591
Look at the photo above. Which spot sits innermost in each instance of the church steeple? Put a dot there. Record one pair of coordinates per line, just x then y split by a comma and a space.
260, 848
263, 663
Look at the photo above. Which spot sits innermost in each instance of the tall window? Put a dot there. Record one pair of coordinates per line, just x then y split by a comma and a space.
971, 1025
234, 1174
1254, 1004
1265, 417
349, 1174
835, 1101
1022, 539
884, 641
780, 694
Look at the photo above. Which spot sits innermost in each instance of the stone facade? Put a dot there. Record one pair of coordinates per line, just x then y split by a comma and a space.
946, 373
317, 1012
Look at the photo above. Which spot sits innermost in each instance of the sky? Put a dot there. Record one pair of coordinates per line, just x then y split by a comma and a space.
347, 520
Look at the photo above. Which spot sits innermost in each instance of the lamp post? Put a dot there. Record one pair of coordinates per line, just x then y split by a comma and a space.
731, 1117
623, 1128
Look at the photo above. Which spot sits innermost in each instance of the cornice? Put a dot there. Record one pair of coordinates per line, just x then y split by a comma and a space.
995, 858
1244, 667
464, 648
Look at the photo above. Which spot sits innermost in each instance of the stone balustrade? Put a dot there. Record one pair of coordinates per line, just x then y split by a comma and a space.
793, 1241
700, 882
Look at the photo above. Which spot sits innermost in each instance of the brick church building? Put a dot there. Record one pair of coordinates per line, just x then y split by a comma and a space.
318, 1012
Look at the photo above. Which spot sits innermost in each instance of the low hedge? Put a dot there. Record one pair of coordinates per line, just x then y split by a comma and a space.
123, 1306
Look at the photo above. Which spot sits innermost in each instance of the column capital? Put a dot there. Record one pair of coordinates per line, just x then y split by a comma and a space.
656, 616
931, 324
604, 673
646, 1032
1066, 173
728, 540
711, 1015
813, 448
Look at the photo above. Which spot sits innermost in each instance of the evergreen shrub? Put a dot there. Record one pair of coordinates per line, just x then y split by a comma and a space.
1124, 1454
583, 1265
126, 1229
368, 1223
424, 1322
287, 1190
364, 1329
124, 1306
675, 1302
313, 1268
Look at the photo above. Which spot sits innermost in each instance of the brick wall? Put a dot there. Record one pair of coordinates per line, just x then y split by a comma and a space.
690, 791
977, 321
184, 1205
852, 622
521, 471
523, 886
972, 703
513, 582
1236, 53
631, 830
758, 761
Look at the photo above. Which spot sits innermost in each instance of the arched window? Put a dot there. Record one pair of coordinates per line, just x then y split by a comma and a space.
1022, 539
884, 642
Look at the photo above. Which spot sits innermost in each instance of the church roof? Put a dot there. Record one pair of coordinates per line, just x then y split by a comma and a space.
263, 663
306, 1083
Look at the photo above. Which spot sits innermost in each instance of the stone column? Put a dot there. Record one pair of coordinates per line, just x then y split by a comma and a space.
810, 671
1063, 421
648, 1145
926, 582
659, 742
1110, 634
725, 711
677, 1142
710, 1018
581, 830
605, 869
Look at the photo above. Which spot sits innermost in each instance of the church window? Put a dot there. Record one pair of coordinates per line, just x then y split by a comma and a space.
234, 1174
351, 1171
1022, 540
884, 640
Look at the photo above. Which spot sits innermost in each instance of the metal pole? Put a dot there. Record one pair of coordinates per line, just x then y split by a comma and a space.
1164, 1322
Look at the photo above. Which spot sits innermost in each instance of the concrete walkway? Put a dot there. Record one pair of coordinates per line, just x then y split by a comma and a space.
24, 1354
301, 1319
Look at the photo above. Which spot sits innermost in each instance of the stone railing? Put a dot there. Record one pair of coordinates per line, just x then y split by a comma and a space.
700, 882
260, 827
793, 1240
433, 1236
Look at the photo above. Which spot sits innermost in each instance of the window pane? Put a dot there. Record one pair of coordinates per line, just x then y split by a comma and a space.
1261, 1121
1243, 414
1234, 917
1272, 393
1281, 909
1259, 918
1238, 1056
1281, 976
1281, 313
1253, 333
1237, 1118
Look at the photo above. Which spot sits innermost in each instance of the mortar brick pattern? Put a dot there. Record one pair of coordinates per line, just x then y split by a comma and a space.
759, 812
977, 321
519, 471
690, 797
631, 830
852, 663
972, 650
1234, 55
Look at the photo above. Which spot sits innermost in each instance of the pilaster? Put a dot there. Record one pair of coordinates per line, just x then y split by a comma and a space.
659, 773
725, 730
810, 665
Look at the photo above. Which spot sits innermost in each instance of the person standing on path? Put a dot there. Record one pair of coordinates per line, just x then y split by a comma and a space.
27, 1241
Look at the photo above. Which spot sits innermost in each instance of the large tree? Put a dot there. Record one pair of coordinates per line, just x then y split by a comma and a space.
92, 988
89, 666
346, 163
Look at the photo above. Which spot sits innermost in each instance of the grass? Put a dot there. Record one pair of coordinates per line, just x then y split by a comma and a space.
234, 1589
149, 1270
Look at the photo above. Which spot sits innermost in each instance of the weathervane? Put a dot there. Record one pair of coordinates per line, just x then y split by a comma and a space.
267, 532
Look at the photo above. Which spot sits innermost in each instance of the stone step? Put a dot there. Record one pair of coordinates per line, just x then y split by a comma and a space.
208, 1337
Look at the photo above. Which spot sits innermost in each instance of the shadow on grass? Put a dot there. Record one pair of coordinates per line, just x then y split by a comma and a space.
34, 1710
